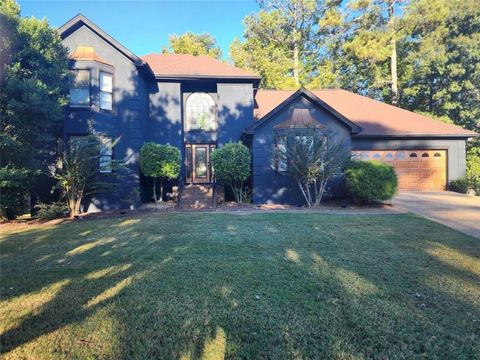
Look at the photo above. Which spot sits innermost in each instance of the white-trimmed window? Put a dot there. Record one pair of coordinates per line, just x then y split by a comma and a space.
106, 153
200, 112
80, 88
106, 91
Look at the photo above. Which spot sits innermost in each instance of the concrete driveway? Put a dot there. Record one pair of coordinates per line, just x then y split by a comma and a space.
458, 211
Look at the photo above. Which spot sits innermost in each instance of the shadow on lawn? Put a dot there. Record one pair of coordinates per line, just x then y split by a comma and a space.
259, 286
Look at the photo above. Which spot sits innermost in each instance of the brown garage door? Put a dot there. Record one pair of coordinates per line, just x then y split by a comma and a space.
416, 169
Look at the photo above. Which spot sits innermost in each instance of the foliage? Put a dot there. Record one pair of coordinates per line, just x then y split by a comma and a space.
370, 181
159, 162
13, 182
231, 164
473, 163
77, 171
51, 211
194, 44
33, 79
461, 185
312, 159
279, 43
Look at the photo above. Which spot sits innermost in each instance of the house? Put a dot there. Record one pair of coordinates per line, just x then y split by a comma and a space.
197, 104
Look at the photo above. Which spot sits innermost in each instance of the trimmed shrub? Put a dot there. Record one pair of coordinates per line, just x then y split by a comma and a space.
370, 181
159, 162
464, 185
51, 211
231, 165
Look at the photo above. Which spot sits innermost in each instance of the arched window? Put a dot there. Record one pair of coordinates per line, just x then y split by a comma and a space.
377, 156
200, 112
437, 155
413, 155
401, 156
424, 155
389, 157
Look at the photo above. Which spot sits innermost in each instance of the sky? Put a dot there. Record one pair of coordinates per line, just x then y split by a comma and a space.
144, 26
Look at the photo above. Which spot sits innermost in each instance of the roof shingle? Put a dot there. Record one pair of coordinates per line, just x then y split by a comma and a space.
183, 65
374, 117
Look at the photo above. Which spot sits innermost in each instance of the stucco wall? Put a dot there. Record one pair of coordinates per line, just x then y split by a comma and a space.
268, 185
128, 119
455, 150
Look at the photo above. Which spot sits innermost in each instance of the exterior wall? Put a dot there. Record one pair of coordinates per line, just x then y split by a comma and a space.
455, 150
235, 110
128, 119
268, 185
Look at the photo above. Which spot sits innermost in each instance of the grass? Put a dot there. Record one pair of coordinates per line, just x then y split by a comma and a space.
216, 286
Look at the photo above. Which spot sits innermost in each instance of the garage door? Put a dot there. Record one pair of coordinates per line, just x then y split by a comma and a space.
416, 169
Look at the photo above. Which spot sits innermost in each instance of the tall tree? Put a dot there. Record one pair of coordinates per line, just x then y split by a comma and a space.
280, 43
441, 60
33, 76
194, 44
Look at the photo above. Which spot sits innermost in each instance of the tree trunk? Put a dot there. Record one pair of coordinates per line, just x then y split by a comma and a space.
155, 190
393, 55
296, 64
161, 192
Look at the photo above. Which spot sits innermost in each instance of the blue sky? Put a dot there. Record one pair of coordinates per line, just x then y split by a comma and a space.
144, 26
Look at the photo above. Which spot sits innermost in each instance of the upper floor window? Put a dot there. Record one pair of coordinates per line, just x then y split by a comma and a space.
200, 112
80, 88
106, 91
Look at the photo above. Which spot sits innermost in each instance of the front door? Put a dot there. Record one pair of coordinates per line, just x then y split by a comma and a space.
197, 164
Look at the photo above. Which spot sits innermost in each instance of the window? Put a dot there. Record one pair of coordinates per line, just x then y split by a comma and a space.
425, 155
413, 155
437, 155
80, 88
200, 112
389, 157
281, 162
106, 152
106, 91
377, 156
401, 156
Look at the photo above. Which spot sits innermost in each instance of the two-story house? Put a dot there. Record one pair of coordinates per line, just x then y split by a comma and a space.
198, 103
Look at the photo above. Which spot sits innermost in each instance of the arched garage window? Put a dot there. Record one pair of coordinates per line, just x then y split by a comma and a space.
200, 112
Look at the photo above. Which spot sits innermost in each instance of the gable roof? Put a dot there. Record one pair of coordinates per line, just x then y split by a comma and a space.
376, 119
271, 110
183, 65
80, 20
301, 118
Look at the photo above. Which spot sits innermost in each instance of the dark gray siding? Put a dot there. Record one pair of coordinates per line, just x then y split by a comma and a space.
128, 119
454, 147
271, 187
235, 111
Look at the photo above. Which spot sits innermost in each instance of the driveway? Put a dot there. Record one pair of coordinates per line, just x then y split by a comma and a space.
458, 211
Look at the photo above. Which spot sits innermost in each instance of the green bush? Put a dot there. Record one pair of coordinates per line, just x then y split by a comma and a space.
159, 162
51, 211
231, 165
370, 181
464, 184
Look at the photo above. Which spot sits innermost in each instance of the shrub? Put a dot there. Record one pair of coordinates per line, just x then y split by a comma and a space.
51, 211
159, 162
370, 181
231, 165
460, 185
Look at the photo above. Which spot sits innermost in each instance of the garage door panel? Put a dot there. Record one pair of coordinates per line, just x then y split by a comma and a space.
416, 169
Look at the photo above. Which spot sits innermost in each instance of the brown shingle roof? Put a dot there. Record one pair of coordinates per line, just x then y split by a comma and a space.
182, 65
374, 117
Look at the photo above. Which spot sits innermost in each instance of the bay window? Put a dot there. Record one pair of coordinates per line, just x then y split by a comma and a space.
80, 88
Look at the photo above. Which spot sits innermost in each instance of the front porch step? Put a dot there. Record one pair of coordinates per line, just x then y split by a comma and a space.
199, 196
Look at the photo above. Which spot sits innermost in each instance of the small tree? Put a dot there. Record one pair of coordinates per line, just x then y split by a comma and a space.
77, 171
161, 162
307, 156
231, 164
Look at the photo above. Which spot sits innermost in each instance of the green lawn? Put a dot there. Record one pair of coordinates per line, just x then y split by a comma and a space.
270, 285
